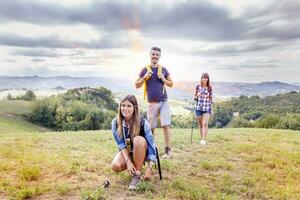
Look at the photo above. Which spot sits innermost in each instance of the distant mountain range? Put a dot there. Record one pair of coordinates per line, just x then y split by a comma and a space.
181, 90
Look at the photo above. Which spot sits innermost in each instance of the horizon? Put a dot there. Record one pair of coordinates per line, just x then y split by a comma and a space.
124, 78
234, 41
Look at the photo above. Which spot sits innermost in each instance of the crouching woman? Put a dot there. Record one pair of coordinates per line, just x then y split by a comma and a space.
135, 142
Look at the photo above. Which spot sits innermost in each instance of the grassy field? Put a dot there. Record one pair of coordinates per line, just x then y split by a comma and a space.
10, 120
10, 124
15, 107
177, 107
236, 164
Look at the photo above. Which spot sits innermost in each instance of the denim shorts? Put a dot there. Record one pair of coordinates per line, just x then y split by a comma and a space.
199, 113
159, 109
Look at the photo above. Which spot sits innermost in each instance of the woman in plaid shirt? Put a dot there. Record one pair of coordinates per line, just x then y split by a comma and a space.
203, 95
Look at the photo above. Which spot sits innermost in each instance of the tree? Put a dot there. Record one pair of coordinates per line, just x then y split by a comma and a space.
29, 95
9, 97
78, 109
42, 114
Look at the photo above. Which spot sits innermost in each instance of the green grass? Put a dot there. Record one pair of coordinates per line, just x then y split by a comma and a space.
236, 164
15, 125
178, 107
15, 106
10, 120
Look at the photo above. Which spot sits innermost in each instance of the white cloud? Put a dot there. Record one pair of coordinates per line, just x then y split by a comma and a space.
245, 41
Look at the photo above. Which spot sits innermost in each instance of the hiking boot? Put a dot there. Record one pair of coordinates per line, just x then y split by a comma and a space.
135, 180
167, 154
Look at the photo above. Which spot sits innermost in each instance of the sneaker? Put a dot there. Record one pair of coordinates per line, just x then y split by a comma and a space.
135, 180
203, 142
167, 154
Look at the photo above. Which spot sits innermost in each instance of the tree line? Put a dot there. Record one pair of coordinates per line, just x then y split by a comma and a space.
78, 109
92, 109
281, 111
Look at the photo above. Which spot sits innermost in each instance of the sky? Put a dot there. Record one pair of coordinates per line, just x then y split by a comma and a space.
234, 41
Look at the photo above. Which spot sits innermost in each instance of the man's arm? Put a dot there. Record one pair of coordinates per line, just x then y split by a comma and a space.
142, 78
139, 82
167, 81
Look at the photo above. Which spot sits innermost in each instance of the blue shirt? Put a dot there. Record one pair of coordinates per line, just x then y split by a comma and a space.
151, 151
155, 86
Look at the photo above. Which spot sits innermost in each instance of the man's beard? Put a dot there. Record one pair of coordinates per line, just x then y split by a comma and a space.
155, 60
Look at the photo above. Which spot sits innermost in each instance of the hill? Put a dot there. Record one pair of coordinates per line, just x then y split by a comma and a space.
10, 124
279, 111
11, 121
15, 107
181, 89
236, 164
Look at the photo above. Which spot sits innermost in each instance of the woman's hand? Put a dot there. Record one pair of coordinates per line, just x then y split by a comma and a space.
130, 168
206, 96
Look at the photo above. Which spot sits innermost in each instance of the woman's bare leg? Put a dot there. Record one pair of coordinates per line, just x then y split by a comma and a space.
200, 126
205, 117
118, 164
139, 152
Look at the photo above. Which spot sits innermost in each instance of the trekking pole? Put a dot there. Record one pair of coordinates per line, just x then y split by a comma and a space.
192, 131
158, 164
92, 196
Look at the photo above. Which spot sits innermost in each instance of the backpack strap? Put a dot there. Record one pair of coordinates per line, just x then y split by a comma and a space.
148, 69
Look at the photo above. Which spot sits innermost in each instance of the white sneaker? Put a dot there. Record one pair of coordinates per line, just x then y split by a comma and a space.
203, 142
167, 154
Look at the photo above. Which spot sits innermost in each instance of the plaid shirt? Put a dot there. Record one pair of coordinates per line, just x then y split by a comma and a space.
203, 103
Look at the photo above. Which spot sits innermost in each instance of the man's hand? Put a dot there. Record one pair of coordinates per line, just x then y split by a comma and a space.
147, 75
130, 168
162, 77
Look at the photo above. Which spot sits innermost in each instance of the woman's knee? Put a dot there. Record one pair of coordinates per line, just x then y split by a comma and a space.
117, 167
139, 141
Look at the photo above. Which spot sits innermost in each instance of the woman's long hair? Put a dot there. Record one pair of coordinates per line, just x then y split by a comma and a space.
208, 85
134, 125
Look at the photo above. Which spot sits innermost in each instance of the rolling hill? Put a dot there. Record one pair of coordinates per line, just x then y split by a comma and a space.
181, 89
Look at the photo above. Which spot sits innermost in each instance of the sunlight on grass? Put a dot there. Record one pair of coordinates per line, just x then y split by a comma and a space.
236, 164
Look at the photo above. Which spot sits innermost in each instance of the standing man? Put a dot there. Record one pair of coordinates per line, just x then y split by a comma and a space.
154, 77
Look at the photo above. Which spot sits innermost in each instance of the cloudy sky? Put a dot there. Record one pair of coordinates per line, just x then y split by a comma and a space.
232, 40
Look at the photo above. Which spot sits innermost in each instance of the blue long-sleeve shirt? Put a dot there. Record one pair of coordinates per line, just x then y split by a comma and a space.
151, 151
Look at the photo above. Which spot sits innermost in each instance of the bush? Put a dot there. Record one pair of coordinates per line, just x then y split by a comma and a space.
9, 97
270, 121
238, 122
42, 114
184, 121
78, 109
222, 116
290, 121
28, 96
